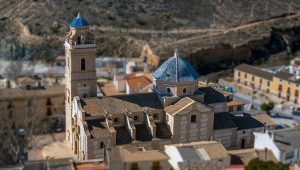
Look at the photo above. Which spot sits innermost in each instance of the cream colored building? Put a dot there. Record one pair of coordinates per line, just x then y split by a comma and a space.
22, 107
281, 86
177, 111
134, 158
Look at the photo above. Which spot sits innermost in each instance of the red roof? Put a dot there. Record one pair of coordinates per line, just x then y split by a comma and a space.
141, 81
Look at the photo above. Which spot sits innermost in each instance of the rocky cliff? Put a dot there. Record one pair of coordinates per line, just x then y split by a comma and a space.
213, 34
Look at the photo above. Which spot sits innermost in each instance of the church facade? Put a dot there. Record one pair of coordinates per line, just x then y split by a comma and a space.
177, 111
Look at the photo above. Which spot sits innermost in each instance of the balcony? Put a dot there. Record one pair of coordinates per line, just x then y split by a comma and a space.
79, 46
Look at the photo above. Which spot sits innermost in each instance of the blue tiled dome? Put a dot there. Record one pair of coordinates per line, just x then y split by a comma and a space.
79, 22
167, 71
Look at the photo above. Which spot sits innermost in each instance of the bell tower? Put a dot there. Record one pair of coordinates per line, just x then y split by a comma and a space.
80, 74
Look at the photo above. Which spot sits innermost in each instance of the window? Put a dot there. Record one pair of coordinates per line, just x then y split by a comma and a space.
239, 74
230, 109
135, 118
288, 90
10, 115
239, 108
193, 119
289, 155
296, 93
260, 81
155, 116
279, 87
245, 75
184, 90
252, 78
49, 111
83, 64
168, 90
29, 103
134, 166
84, 95
83, 85
101, 145
49, 101
296, 101
244, 132
116, 120
9, 106
269, 83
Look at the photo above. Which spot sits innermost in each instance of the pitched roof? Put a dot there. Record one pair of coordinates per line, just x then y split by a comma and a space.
96, 106
79, 22
97, 128
136, 154
138, 82
176, 69
212, 95
235, 103
255, 71
287, 139
287, 76
246, 122
12, 93
283, 75
181, 104
243, 156
223, 121
264, 118
109, 89
194, 150
26, 79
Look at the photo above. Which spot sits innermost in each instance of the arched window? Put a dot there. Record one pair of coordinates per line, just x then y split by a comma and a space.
184, 90
83, 64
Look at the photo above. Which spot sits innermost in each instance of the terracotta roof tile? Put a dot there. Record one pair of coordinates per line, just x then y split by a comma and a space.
138, 82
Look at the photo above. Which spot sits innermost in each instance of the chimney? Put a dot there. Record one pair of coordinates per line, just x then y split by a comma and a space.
266, 154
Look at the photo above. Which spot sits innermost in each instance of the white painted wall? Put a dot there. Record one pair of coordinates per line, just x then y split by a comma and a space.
263, 140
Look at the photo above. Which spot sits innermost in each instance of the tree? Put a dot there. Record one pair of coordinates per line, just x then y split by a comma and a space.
258, 164
267, 107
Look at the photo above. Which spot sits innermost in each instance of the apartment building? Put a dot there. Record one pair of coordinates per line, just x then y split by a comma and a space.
27, 107
280, 86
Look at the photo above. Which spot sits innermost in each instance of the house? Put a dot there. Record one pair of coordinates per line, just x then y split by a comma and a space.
284, 144
132, 157
136, 84
185, 155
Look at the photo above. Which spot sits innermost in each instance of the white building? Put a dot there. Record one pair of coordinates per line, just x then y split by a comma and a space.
193, 154
284, 143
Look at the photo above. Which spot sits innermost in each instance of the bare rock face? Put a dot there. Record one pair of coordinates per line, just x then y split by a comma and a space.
208, 32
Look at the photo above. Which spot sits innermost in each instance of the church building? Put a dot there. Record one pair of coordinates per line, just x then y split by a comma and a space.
177, 111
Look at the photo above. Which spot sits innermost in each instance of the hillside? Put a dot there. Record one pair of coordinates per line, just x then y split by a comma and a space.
206, 31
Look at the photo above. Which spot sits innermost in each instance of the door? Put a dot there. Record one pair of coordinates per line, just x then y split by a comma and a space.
243, 143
